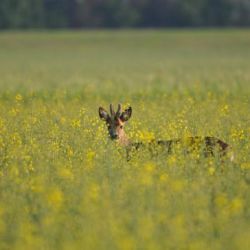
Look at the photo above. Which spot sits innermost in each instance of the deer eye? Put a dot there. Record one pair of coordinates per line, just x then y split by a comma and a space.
121, 126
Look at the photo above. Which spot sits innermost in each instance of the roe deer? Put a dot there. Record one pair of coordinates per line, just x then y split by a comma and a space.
115, 122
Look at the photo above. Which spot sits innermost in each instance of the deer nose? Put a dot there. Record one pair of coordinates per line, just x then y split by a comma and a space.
114, 136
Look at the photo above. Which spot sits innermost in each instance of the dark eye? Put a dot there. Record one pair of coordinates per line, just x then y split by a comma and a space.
121, 126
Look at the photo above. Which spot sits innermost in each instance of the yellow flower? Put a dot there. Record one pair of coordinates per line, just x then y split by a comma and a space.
90, 155
237, 134
19, 98
76, 123
245, 165
236, 205
94, 191
149, 167
62, 120
146, 135
171, 159
82, 111
70, 152
178, 185
225, 110
14, 111
55, 198
146, 179
65, 173
211, 170
221, 200
163, 178
126, 242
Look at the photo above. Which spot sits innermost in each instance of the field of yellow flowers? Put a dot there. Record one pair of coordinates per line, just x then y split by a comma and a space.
65, 185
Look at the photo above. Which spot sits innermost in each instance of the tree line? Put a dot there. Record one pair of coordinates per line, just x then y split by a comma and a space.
15, 14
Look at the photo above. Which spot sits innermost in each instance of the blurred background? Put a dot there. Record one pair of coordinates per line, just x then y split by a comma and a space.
46, 14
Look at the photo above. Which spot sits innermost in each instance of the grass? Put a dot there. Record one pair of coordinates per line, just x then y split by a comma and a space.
65, 185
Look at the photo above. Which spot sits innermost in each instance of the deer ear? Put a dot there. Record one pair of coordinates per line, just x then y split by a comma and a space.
125, 116
103, 114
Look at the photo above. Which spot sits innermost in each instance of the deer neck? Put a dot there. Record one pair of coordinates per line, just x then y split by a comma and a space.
123, 140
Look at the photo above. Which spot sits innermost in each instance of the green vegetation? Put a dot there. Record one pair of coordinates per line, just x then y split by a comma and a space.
65, 185
26, 14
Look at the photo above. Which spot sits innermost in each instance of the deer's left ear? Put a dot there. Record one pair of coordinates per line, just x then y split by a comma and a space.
125, 116
103, 114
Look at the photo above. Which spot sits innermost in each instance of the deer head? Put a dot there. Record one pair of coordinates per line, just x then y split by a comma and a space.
115, 122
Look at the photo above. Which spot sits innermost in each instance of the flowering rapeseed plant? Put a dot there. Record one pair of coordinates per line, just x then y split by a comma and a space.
65, 185
62, 178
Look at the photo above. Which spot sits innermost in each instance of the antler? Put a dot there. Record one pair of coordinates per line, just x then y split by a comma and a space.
112, 112
118, 113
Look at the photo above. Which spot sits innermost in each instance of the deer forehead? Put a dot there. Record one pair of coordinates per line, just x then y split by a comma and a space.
116, 122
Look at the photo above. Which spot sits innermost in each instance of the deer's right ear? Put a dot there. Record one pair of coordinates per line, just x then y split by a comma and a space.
125, 116
103, 114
